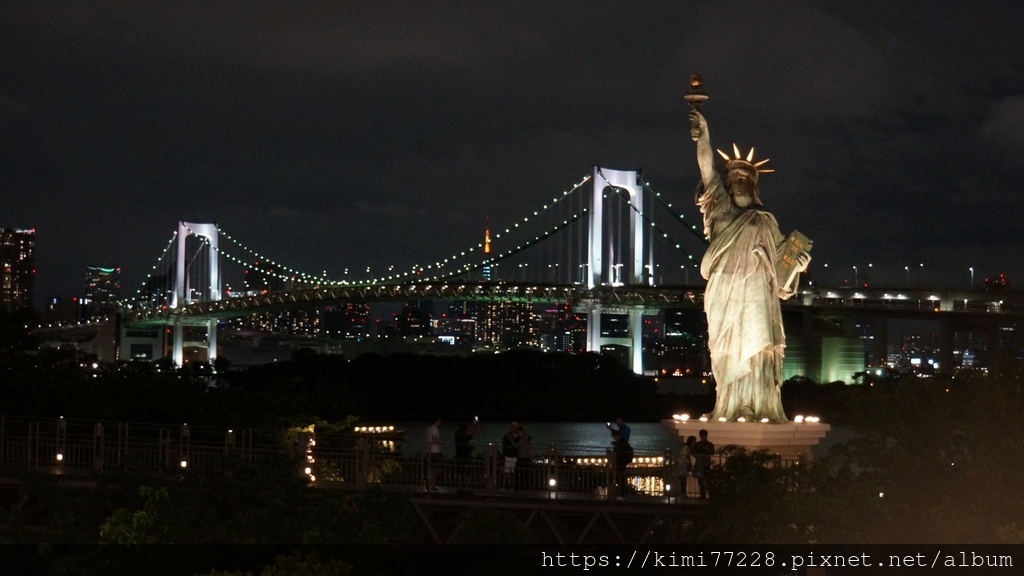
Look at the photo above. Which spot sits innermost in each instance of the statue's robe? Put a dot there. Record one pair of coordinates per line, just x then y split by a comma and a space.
745, 334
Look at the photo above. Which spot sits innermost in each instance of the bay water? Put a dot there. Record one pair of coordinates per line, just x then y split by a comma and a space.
577, 438
570, 438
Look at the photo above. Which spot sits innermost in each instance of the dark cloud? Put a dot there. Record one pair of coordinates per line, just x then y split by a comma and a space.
1002, 134
355, 134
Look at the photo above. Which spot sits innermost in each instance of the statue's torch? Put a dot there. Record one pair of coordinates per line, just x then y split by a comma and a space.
695, 96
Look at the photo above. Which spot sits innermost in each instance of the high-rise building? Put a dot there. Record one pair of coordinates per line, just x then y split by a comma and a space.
505, 324
684, 347
17, 267
562, 329
102, 287
348, 321
459, 322
63, 310
412, 321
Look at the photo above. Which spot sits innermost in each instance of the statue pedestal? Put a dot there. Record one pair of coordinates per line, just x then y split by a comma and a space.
788, 440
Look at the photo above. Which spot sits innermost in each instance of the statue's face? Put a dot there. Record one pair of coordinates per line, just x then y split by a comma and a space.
742, 188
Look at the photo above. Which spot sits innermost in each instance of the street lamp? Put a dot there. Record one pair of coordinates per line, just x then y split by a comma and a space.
907, 268
972, 276
617, 275
855, 282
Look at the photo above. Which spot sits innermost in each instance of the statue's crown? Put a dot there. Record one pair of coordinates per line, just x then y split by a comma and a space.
747, 164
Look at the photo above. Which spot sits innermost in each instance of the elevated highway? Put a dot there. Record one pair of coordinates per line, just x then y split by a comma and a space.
992, 312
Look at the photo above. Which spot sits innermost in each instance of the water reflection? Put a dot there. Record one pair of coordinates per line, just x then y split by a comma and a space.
571, 438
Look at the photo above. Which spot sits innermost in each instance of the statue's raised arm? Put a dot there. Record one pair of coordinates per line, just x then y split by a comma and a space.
705, 154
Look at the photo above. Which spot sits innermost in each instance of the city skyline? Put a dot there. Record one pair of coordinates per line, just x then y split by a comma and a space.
345, 137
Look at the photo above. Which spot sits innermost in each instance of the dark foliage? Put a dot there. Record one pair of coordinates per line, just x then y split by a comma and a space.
14, 333
804, 396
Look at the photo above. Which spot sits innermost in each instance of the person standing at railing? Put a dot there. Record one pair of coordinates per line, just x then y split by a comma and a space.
510, 452
623, 454
621, 427
703, 450
434, 457
684, 463
464, 454
524, 457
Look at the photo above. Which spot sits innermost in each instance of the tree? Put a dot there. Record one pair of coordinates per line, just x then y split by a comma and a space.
753, 499
934, 460
15, 327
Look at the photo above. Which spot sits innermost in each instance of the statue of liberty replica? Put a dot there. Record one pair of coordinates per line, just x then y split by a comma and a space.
749, 266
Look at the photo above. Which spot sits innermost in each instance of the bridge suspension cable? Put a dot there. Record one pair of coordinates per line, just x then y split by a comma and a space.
135, 299
296, 274
416, 271
257, 264
568, 214
508, 253
679, 216
269, 267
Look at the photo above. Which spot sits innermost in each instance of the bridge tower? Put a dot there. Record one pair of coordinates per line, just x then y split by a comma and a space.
628, 271
207, 289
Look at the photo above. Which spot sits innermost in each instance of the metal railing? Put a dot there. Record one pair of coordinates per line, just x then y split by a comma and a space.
65, 446
547, 474
340, 461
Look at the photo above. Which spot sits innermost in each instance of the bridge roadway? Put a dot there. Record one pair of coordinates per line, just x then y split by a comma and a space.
645, 296
995, 313
895, 300
555, 500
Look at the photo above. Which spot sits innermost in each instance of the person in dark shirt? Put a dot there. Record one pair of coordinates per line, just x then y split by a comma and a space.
623, 457
703, 450
464, 454
621, 428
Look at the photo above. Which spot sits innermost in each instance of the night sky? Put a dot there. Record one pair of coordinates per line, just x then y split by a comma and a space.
330, 135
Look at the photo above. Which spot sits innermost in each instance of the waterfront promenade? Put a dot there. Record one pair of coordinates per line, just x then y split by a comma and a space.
362, 457
564, 499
